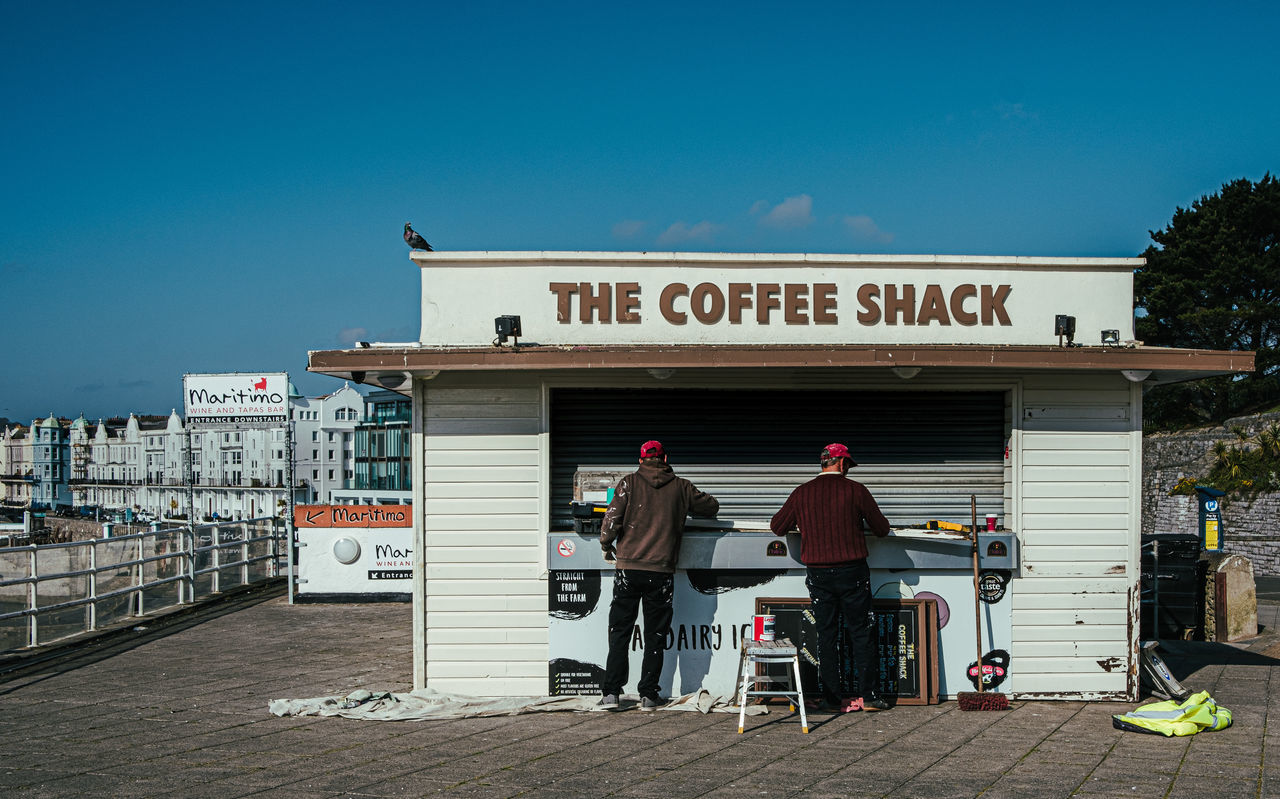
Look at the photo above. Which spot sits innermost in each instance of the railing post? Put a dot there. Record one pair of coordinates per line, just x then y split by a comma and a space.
215, 539
141, 579
33, 634
189, 557
91, 609
244, 553
273, 565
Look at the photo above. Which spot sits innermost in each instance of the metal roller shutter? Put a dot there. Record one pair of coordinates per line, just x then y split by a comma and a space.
921, 453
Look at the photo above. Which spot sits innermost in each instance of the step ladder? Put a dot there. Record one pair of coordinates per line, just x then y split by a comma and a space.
778, 651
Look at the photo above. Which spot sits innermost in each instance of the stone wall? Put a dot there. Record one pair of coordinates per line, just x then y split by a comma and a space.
1250, 527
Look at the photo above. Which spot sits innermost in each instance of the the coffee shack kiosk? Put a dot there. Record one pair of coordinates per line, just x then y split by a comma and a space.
1012, 380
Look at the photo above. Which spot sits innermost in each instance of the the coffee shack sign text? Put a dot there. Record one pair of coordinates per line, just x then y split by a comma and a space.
710, 298
784, 303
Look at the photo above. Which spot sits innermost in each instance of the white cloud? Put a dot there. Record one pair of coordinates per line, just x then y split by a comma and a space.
350, 335
864, 228
791, 213
628, 229
1014, 111
681, 231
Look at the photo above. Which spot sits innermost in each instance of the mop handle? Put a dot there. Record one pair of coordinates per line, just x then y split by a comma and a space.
977, 604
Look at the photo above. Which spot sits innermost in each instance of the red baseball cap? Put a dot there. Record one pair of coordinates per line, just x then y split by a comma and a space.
837, 451
652, 449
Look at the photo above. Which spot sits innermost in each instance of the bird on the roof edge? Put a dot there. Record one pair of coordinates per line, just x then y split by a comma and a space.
415, 241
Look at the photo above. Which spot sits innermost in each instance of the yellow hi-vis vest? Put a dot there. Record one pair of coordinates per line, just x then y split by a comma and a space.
1188, 717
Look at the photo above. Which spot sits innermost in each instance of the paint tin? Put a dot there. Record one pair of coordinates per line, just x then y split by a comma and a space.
762, 626
991, 522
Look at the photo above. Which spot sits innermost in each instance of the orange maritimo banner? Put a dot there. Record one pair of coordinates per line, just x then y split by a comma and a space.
353, 516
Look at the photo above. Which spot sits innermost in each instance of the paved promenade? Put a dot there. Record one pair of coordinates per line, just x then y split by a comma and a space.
179, 709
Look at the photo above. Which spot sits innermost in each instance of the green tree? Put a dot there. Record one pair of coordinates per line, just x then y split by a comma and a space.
1212, 281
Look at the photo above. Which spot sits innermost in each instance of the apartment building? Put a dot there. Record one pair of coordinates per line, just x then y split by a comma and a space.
139, 464
17, 466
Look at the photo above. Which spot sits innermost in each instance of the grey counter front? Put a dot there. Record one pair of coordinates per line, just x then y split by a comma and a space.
723, 576
754, 549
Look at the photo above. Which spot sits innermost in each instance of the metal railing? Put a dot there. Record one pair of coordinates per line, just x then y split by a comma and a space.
53, 591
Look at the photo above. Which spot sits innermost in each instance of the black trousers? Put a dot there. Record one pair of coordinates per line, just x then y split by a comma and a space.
844, 591
631, 589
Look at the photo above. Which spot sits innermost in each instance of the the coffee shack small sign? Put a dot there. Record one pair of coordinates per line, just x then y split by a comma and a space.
721, 298
236, 398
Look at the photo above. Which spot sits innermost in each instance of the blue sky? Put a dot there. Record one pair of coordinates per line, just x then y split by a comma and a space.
206, 187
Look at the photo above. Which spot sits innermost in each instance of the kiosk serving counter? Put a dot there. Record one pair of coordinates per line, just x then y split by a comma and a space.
948, 377
725, 576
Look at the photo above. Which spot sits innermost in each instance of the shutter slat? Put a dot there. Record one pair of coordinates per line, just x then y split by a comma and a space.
922, 454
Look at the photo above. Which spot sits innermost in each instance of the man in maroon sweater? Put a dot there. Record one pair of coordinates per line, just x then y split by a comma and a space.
641, 533
830, 510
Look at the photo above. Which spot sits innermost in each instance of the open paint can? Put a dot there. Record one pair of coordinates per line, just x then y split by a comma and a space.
762, 626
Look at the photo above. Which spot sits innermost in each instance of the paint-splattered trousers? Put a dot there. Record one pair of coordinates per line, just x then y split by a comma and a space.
632, 589
844, 592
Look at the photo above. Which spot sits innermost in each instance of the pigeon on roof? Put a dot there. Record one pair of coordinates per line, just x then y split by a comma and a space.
415, 241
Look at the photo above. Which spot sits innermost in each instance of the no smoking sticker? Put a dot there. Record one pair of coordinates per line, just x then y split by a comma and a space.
565, 548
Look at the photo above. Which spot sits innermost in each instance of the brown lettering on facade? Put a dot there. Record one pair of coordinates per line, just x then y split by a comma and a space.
993, 298
707, 303
933, 307
824, 304
601, 302
739, 301
895, 305
766, 300
799, 303
868, 293
958, 296
666, 303
796, 304
563, 292
628, 312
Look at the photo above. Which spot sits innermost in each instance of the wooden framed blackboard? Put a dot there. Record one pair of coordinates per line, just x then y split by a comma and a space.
907, 630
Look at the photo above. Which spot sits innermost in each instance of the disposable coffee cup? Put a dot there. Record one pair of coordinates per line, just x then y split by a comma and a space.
762, 626
991, 522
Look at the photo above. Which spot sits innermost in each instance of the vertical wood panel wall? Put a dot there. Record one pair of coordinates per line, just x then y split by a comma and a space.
486, 604
1079, 473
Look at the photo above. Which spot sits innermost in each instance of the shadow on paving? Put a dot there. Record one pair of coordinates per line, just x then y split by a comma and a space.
83, 650
1185, 658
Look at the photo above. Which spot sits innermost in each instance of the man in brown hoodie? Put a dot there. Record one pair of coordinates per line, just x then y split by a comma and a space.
645, 521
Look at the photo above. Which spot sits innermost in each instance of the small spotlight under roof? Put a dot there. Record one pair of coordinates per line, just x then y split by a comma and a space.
1064, 327
506, 327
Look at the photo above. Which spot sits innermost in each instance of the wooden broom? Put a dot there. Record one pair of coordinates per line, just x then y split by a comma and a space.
979, 700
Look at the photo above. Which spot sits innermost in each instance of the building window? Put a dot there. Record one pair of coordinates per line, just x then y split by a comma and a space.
315, 435
331, 477
315, 474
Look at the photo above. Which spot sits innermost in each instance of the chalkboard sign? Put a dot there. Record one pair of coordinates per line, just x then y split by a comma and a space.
907, 630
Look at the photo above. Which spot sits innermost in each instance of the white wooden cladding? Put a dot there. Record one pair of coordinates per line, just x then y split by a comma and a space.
1079, 472
486, 606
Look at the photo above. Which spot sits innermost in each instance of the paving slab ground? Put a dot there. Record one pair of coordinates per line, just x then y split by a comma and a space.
178, 708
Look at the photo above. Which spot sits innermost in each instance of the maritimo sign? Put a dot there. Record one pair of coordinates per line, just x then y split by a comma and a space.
236, 398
